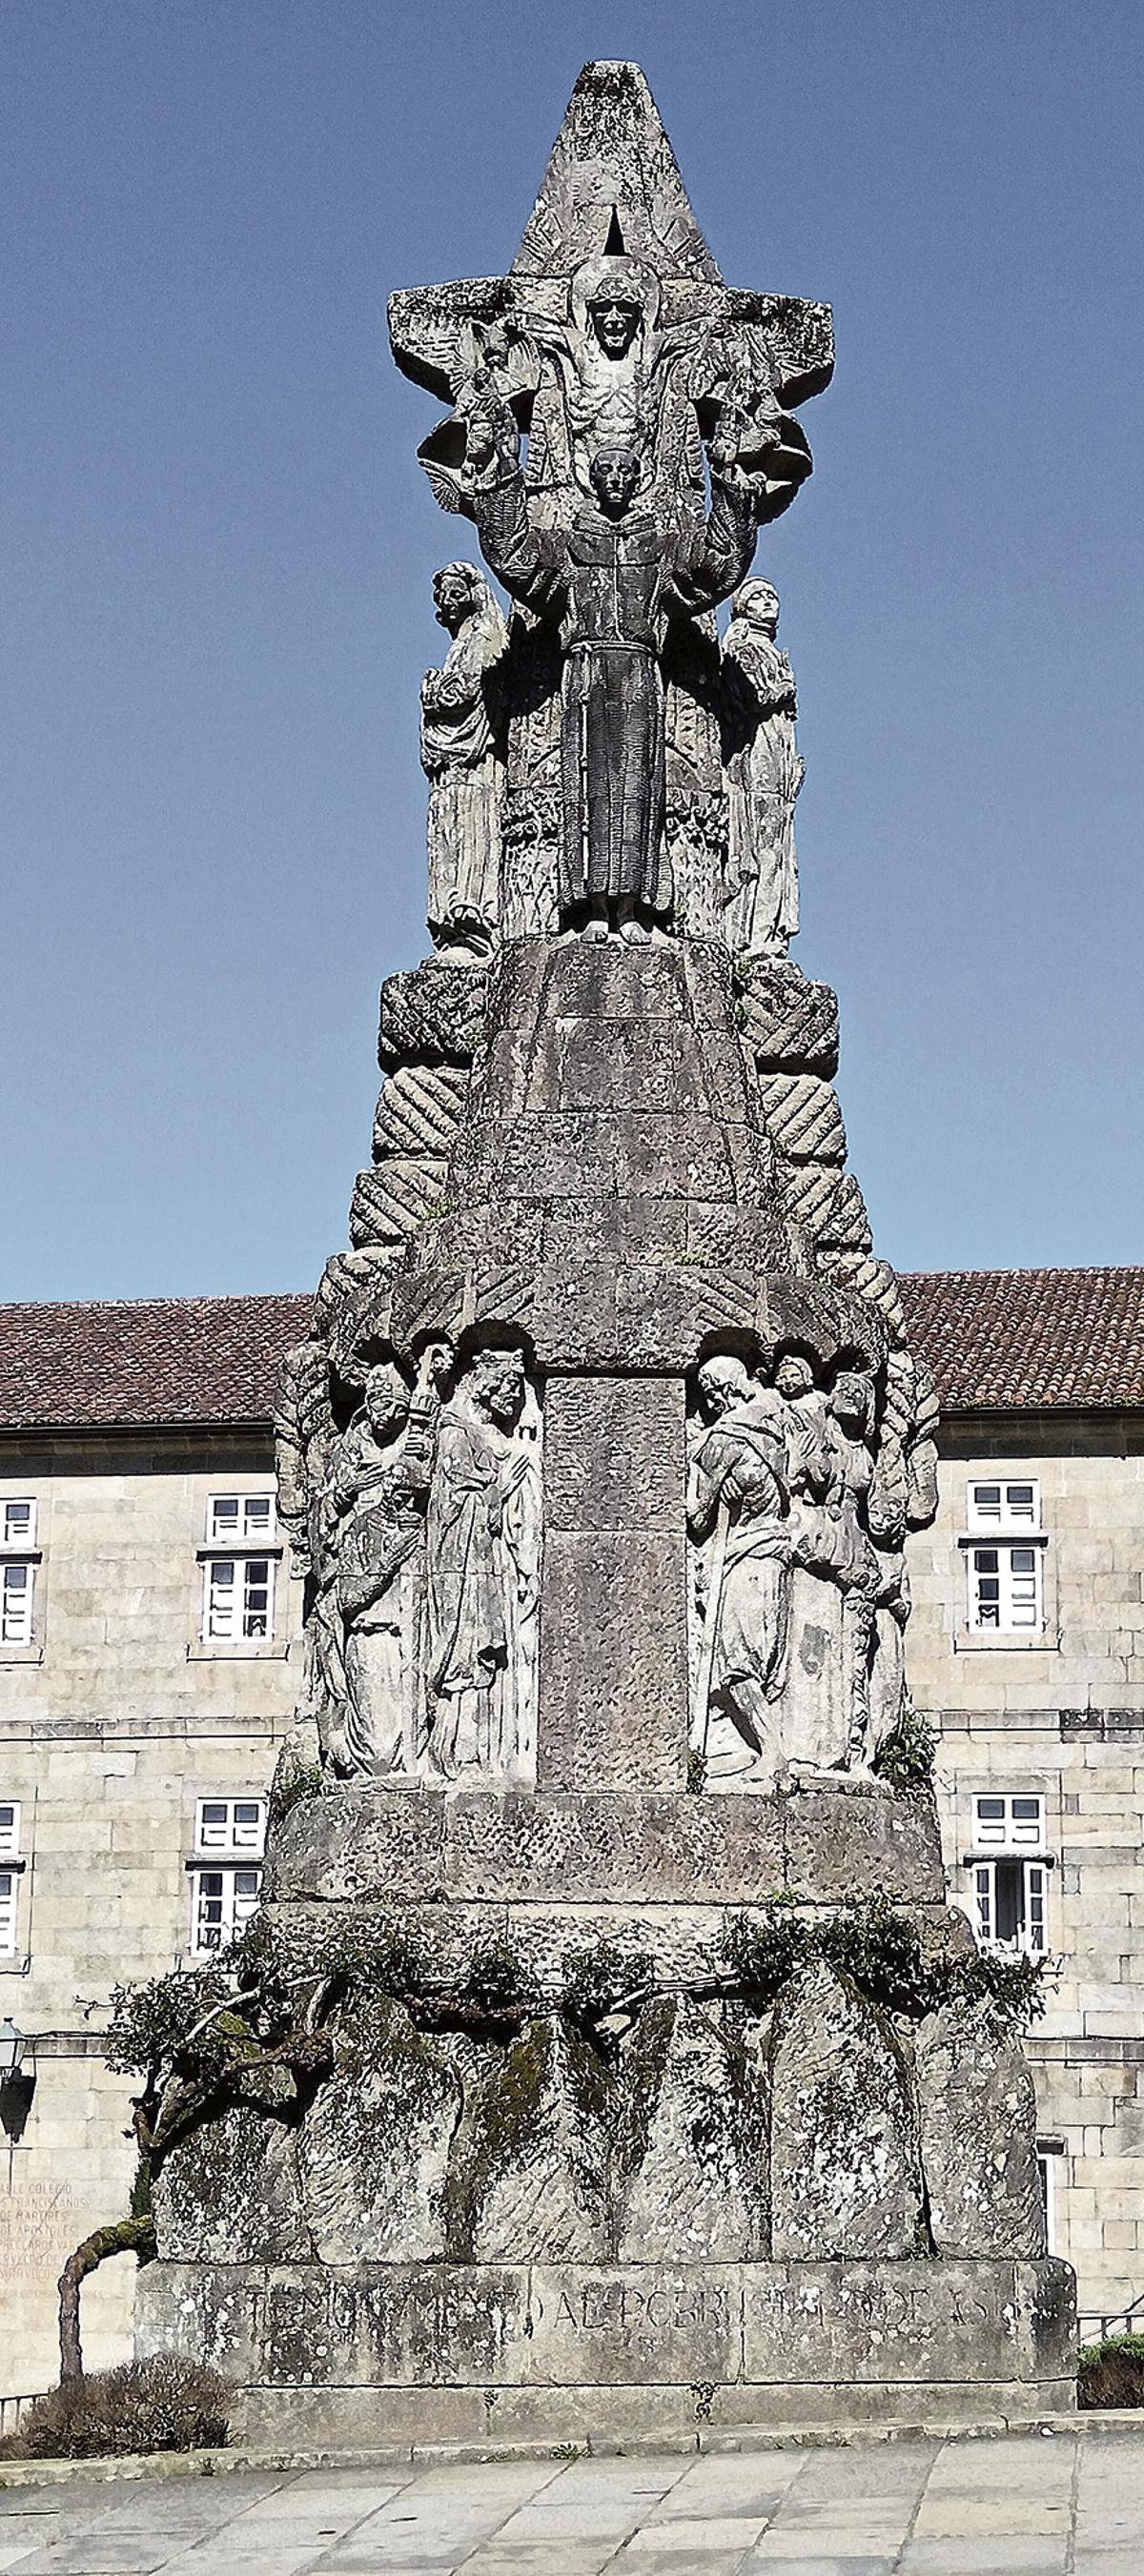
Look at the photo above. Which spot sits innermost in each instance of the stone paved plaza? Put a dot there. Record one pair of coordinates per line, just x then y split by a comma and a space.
1037, 2505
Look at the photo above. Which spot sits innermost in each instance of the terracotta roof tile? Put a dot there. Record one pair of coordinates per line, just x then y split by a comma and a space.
161, 1360
1009, 1339
996, 1340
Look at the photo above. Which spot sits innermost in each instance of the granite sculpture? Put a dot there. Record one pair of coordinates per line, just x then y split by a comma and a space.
764, 775
645, 2077
459, 754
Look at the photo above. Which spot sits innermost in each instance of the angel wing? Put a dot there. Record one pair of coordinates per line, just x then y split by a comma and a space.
446, 486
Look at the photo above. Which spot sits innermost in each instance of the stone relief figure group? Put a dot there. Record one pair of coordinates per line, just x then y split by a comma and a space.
797, 1516
425, 1546
426, 1557
612, 871
623, 531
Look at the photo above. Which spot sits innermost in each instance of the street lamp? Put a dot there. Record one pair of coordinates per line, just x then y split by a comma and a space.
11, 2049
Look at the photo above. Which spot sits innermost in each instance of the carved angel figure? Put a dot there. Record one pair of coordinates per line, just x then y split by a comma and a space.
764, 775
461, 759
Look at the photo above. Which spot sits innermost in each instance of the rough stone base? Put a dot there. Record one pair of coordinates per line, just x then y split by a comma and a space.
380, 2353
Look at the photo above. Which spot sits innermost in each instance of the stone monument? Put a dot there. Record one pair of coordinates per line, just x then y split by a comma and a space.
647, 2084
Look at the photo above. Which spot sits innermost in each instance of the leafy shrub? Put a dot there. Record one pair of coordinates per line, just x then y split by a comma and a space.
907, 1761
595, 1980
497, 1982
880, 1951
159, 2405
1111, 2373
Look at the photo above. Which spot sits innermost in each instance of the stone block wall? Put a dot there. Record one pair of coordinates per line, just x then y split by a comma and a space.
111, 1729
1062, 1718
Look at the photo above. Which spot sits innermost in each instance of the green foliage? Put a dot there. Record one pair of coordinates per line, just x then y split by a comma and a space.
197, 2022
907, 1760
1016, 1986
382, 1958
158, 2405
303, 1780
496, 1982
596, 1980
151, 2023
880, 1951
1111, 2373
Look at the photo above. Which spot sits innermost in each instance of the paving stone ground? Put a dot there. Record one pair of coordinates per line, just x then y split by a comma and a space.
1027, 2505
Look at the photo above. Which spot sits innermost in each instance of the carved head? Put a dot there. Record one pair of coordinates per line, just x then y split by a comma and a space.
723, 1381
614, 322
614, 474
457, 593
612, 297
758, 604
794, 1375
386, 1401
498, 1385
851, 1403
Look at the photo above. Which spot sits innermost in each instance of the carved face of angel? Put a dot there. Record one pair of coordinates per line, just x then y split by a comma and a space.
615, 324
454, 597
614, 474
758, 604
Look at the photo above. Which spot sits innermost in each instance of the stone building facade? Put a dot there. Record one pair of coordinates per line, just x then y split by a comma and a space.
1027, 1650
149, 1666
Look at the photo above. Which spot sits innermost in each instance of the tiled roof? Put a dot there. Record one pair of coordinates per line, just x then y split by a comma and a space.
161, 1360
996, 1340
1011, 1339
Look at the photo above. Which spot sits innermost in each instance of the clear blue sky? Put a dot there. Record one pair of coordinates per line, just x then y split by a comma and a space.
217, 551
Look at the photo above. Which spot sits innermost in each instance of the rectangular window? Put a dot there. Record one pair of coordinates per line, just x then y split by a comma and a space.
238, 1597
1009, 1905
17, 1594
229, 1836
1015, 1822
18, 1524
234, 1520
1005, 1589
1006, 1503
222, 1901
230, 1825
1049, 2160
9, 1877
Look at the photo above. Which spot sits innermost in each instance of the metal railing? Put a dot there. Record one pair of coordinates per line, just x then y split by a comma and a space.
12, 2408
1093, 2325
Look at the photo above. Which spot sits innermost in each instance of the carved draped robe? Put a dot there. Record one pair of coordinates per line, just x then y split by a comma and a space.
613, 585
459, 758
466, 1638
764, 775
748, 1615
380, 1570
